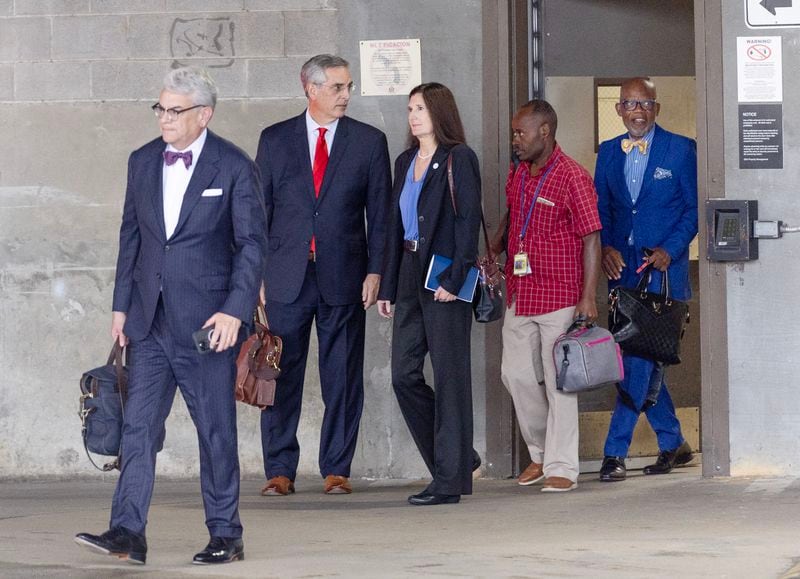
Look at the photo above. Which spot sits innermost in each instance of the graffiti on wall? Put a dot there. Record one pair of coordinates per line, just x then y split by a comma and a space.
206, 38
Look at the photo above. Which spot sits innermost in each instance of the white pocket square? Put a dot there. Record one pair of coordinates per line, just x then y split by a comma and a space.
662, 173
212, 193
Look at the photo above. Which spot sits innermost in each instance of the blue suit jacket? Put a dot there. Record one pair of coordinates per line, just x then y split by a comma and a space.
665, 213
357, 182
214, 259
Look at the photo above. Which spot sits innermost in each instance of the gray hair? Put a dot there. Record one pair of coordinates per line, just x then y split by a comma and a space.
313, 70
194, 81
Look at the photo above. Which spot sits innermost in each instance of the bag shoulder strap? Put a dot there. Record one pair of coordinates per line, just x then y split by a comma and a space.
451, 185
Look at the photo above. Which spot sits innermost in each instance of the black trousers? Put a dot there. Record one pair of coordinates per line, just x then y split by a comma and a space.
440, 420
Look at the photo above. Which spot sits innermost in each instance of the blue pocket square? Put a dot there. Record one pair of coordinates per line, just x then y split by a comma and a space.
662, 173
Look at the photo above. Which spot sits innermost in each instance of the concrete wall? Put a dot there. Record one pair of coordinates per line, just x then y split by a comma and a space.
76, 81
761, 330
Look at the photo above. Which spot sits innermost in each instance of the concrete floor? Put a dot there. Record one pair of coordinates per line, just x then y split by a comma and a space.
677, 525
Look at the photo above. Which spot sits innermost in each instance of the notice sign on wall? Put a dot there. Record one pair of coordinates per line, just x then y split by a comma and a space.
390, 67
761, 136
759, 67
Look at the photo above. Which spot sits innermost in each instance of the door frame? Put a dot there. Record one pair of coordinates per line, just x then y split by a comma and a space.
506, 53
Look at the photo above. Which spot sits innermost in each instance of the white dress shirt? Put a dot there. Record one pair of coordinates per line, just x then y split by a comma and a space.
311, 128
175, 180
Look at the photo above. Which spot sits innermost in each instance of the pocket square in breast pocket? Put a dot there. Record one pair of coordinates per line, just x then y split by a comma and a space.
662, 173
212, 193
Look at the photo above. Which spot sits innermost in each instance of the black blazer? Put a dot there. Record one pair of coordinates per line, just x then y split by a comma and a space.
213, 260
356, 183
441, 231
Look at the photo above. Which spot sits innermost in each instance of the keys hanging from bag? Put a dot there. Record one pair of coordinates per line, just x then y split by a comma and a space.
101, 408
258, 363
488, 304
647, 324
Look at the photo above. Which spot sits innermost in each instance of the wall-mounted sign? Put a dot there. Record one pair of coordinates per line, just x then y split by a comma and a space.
761, 136
772, 13
760, 69
390, 67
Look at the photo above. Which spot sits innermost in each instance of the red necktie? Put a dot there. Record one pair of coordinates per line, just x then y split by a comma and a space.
320, 160
320, 163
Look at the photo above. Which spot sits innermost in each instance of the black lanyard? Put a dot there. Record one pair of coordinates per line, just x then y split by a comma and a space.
533, 204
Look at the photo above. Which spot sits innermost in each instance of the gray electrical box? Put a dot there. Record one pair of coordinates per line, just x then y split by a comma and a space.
729, 226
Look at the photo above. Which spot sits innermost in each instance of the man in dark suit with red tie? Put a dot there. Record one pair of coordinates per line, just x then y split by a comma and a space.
191, 254
322, 174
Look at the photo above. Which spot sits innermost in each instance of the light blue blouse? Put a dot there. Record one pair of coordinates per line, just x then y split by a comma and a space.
409, 198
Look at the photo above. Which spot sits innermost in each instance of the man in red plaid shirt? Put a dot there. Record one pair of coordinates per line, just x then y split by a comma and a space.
552, 272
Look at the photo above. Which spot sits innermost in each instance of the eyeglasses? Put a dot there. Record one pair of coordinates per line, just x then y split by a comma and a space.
339, 87
171, 114
516, 134
630, 105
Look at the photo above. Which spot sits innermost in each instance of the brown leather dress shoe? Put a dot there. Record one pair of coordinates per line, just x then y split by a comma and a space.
278, 486
337, 485
558, 484
531, 475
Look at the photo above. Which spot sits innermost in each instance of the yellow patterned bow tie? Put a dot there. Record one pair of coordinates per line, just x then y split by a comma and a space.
629, 144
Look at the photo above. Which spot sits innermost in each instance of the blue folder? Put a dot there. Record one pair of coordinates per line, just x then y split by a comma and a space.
438, 264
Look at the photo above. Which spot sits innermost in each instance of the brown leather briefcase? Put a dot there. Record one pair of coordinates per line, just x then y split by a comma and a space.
258, 364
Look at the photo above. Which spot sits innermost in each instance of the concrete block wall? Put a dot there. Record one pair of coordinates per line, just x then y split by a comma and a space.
104, 49
77, 78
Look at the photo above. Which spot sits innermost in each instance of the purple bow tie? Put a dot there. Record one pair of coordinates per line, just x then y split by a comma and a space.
171, 157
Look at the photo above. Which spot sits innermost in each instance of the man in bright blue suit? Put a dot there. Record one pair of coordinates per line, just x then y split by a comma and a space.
191, 254
326, 180
646, 184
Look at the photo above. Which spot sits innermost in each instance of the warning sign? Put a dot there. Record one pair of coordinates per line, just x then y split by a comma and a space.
759, 67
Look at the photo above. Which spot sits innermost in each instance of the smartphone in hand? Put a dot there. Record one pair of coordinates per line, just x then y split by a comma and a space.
202, 339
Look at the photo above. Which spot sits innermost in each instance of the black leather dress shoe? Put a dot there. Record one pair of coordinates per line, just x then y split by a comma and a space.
118, 542
220, 550
476, 460
669, 459
425, 498
613, 469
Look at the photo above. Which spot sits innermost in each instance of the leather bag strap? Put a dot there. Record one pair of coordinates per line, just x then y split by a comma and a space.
451, 184
645, 278
118, 357
260, 314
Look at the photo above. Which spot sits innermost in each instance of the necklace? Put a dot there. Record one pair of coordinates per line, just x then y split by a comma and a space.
428, 156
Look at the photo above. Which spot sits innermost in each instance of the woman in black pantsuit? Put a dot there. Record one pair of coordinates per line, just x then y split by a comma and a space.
423, 222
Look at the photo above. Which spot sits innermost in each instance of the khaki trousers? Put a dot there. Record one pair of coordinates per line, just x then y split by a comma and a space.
548, 419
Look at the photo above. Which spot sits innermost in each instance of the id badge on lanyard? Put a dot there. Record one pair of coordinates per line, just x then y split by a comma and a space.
522, 265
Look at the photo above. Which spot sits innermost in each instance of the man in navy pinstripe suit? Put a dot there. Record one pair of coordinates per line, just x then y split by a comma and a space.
191, 255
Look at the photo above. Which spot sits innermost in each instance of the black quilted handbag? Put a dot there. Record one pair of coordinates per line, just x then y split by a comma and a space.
646, 324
